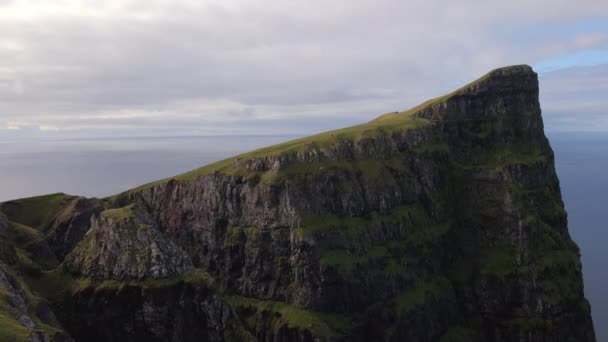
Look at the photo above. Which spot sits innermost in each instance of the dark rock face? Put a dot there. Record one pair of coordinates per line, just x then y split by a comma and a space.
8, 254
18, 321
69, 225
176, 313
124, 244
450, 227
481, 173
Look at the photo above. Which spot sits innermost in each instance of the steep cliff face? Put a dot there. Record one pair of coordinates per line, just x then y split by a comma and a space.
23, 314
125, 243
443, 222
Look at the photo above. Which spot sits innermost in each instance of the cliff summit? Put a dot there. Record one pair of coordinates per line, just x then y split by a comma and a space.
444, 222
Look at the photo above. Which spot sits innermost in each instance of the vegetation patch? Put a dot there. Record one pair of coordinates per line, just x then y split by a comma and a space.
26, 264
499, 262
560, 261
119, 214
342, 259
391, 122
235, 235
195, 277
57, 284
417, 296
527, 322
412, 215
499, 157
34, 211
23, 235
320, 324
432, 148
53, 285
346, 261
561, 276
10, 328
459, 334
415, 237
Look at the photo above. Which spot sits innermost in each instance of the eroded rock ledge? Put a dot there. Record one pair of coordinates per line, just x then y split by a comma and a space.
126, 243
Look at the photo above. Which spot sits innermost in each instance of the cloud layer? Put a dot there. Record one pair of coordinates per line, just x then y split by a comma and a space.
260, 67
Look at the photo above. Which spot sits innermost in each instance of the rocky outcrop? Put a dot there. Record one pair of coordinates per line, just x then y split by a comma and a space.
126, 243
443, 222
8, 254
178, 312
18, 323
69, 225
340, 227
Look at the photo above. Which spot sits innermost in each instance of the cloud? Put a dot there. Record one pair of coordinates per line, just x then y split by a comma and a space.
176, 67
574, 99
590, 40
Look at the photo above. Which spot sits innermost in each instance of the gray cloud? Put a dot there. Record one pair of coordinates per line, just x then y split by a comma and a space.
574, 99
190, 67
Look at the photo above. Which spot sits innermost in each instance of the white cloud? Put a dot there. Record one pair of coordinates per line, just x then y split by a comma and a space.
574, 99
46, 128
591, 40
181, 66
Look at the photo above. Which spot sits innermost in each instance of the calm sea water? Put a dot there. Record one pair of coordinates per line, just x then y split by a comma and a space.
582, 164
105, 167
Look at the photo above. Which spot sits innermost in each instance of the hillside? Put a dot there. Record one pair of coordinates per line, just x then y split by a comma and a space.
441, 223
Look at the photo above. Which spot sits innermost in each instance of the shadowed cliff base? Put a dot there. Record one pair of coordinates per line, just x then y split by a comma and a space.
441, 223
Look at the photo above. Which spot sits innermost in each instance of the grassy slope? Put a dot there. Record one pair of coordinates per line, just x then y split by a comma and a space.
319, 323
119, 214
10, 328
226, 166
388, 122
33, 211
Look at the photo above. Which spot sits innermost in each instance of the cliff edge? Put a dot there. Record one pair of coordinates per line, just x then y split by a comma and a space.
440, 223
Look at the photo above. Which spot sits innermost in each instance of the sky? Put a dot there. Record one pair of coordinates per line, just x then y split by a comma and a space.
74, 69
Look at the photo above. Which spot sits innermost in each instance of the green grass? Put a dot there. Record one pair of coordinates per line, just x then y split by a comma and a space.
527, 322
501, 156
433, 148
342, 259
392, 117
320, 324
370, 170
119, 214
23, 234
416, 233
54, 285
560, 261
346, 261
351, 227
390, 258
10, 328
498, 262
402, 121
560, 276
234, 235
459, 334
25, 263
417, 296
390, 122
195, 277
34, 211
516, 154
